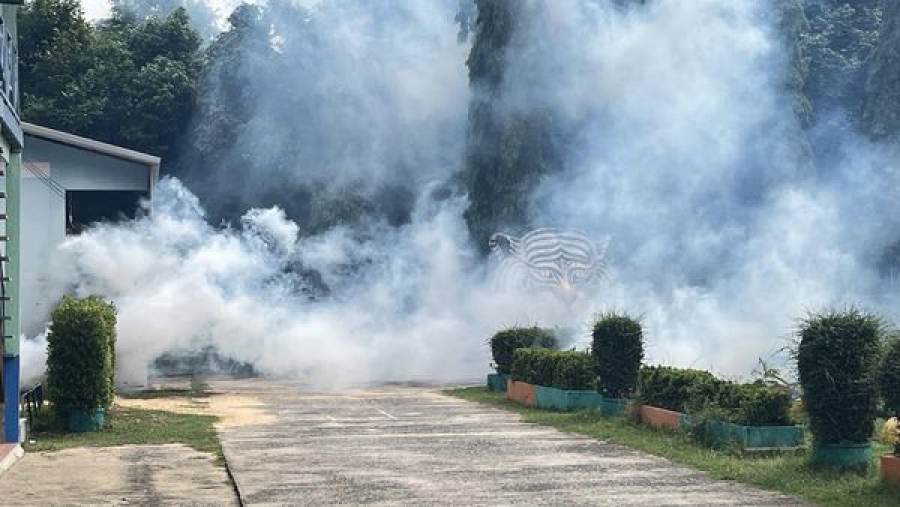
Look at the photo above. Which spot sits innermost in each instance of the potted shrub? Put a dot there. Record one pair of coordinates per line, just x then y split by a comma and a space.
80, 364
664, 393
889, 386
504, 344
572, 383
837, 360
617, 350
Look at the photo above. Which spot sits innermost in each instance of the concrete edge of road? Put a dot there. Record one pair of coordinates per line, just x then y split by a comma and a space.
234, 482
11, 453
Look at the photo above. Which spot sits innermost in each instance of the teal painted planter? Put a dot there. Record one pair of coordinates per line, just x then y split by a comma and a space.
843, 456
83, 421
565, 399
611, 407
755, 438
497, 382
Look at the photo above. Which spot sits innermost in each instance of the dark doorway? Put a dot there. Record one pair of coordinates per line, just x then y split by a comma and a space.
85, 207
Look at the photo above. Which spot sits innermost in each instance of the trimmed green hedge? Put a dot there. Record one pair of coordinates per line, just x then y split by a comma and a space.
574, 371
701, 394
617, 349
568, 370
535, 366
746, 404
837, 360
81, 355
505, 343
671, 388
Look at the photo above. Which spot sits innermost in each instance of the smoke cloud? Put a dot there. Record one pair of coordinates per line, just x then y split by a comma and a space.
683, 150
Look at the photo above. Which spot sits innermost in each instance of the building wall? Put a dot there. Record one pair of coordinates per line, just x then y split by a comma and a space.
43, 228
44, 213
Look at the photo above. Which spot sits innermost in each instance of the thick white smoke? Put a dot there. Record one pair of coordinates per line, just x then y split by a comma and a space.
408, 303
688, 154
684, 151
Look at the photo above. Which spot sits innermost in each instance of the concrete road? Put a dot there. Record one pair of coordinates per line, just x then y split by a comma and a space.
414, 446
150, 475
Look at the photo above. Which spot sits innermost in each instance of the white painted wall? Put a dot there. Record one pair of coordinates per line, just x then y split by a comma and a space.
44, 212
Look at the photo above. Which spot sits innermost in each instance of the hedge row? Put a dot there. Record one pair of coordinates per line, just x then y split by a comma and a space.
504, 343
699, 392
81, 355
563, 370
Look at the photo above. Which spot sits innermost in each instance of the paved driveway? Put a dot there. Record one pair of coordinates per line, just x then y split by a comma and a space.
414, 446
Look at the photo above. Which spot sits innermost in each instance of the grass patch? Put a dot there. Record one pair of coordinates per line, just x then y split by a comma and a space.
786, 473
131, 426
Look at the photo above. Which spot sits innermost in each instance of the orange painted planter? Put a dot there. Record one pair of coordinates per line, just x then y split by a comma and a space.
890, 469
661, 418
521, 392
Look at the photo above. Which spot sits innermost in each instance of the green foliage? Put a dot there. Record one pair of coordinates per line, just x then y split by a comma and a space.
505, 343
535, 366
506, 154
753, 404
837, 359
788, 473
203, 17
889, 382
574, 370
672, 388
618, 349
889, 377
837, 46
81, 355
124, 81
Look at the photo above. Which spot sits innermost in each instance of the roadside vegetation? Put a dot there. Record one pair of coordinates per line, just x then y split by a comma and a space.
786, 473
816, 439
129, 426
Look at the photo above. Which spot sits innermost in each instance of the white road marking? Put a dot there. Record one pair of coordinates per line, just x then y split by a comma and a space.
389, 416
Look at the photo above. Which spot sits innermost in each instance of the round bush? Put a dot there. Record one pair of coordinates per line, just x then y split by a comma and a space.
837, 360
617, 349
505, 343
80, 355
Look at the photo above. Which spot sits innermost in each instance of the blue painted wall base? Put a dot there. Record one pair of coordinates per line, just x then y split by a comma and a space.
11, 397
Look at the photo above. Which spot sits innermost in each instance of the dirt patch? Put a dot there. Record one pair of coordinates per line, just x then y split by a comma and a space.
232, 409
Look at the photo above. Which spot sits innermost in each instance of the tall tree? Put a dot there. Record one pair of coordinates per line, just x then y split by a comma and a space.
203, 17
881, 114
57, 53
125, 81
507, 153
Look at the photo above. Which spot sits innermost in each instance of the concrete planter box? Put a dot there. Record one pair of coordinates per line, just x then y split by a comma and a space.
843, 456
521, 392
755, 438
83, 421
890, 469
661, 418
613, 406
566, 399
497, 382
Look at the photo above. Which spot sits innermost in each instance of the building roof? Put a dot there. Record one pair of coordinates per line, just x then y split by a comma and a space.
85, 143
89, 144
